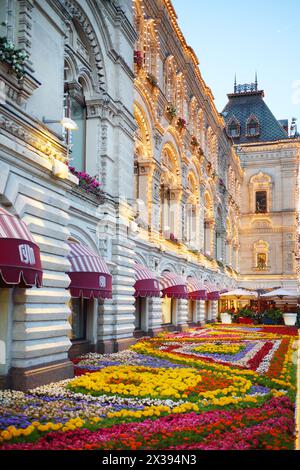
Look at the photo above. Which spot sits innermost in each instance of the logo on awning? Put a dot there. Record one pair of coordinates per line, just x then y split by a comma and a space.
27, 254
102, 281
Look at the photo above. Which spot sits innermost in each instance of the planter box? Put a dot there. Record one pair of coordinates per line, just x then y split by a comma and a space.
269, 321
290, 319
246, 321
226, 318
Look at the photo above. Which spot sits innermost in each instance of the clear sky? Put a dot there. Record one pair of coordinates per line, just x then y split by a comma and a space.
230, 36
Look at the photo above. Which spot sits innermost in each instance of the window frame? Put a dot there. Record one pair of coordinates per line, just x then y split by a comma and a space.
265, 208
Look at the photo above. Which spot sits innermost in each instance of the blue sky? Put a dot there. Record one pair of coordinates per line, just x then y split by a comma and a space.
230, 36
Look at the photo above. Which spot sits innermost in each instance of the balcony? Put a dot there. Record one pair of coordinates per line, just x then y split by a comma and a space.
263, 268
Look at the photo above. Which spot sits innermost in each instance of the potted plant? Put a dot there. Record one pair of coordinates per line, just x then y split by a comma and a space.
152, 80
245, 316
273, 316
171, 110
181, 123
15, 58
138, 58
290, 318
173, 238
226, 317
194, 141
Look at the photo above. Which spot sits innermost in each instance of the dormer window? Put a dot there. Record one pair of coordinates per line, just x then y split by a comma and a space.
233, 128
253, 127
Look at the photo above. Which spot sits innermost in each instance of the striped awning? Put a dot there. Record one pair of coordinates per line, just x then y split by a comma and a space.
173, 286
146, 284
197, 289
213, 292
89, 274
20, 261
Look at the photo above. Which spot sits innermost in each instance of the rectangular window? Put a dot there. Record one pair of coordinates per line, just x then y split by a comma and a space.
261, 202
78, 318
261, 260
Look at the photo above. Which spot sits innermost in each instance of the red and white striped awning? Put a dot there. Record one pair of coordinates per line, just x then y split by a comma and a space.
146, 284
20, 261
89, 274
174, 286
197, 289
213, 292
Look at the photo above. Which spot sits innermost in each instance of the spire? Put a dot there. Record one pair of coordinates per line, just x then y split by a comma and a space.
256, 83
235, 83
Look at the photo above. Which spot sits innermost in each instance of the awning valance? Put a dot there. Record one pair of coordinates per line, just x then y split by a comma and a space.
213, 292
89, 274
146, 284
174, 286
20, 261
196, 289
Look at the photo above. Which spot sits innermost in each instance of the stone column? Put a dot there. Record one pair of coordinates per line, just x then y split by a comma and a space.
176, 213
40, 342
154, 315
116, 317
228, 253
182, 313
214, 310
201, 312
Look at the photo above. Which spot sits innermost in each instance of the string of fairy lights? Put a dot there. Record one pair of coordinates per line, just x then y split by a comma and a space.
176, 94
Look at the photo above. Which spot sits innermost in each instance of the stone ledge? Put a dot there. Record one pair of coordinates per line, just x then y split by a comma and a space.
31, 377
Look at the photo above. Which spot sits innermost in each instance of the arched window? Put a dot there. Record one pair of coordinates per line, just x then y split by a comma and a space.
219, 236
170, 81
228, 251
150, 48
192, 226
169, 191
260, 191
253, 126
79, 79
193, 115
180, 96
208, 224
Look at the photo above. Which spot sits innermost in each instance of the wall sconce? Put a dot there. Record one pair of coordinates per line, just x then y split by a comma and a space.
66, 122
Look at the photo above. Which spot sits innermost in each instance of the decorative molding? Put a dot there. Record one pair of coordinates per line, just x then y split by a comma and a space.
76, 11
25, 25
27, 135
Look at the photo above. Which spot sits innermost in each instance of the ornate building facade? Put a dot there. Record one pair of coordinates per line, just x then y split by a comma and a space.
187, 176
270, 205
110, 89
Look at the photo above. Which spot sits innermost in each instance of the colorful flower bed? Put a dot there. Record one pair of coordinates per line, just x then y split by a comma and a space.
219, 387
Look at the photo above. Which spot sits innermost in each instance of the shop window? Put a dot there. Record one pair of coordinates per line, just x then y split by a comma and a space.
261, 202
192, 311
78, 318
207, 310
140, 308
168, 310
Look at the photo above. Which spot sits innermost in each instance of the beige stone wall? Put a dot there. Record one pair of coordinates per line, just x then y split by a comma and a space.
273, 167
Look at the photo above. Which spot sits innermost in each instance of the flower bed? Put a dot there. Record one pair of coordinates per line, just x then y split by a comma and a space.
219, 387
